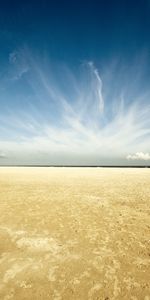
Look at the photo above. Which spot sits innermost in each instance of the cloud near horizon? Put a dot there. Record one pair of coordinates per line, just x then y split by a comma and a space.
50, 114
139, 156
2, 155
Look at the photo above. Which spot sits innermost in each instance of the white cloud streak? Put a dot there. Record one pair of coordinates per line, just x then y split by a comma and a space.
81, 122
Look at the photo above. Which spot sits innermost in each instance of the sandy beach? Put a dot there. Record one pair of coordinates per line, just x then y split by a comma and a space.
74, 233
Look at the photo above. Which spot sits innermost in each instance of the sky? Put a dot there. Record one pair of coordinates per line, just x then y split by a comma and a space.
75, 82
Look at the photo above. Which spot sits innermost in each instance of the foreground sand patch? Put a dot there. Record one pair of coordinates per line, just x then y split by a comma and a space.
39, 244
74, 233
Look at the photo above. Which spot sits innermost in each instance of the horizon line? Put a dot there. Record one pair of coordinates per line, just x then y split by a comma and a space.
77, 166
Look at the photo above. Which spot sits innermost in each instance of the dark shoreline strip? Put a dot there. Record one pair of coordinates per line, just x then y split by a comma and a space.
76, 166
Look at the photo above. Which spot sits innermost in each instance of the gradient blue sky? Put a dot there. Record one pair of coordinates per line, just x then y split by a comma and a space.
75, 82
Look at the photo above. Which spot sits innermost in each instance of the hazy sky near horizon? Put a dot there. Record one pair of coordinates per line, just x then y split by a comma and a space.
75, 82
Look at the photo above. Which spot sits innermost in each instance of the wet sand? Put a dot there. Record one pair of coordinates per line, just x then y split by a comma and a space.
74, 233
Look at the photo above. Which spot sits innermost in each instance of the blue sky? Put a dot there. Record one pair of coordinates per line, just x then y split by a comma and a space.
75, 82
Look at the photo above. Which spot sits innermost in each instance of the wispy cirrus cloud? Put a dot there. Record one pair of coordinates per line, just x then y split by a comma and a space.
19, 65
55, 115
13, 57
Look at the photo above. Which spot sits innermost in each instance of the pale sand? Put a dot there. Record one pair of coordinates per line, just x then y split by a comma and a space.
74, 233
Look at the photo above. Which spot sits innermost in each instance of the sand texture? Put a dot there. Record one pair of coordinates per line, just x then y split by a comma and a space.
74, 233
